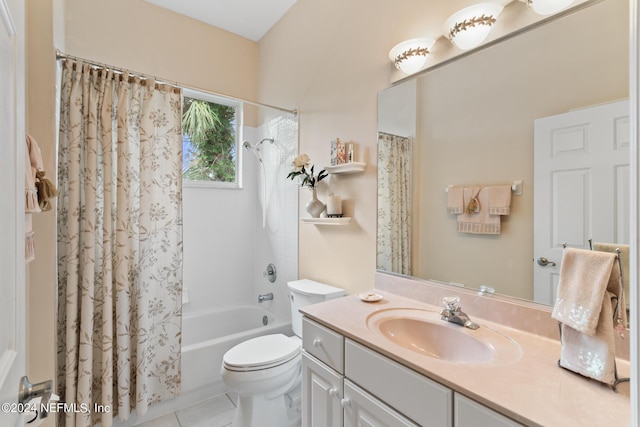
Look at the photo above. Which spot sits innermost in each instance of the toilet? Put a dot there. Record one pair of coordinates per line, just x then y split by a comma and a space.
266, 371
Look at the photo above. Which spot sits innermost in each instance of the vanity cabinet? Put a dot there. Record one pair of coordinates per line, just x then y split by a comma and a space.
345, 383
469, 413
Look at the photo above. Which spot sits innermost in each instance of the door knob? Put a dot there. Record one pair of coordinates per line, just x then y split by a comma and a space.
28, 391
542, 261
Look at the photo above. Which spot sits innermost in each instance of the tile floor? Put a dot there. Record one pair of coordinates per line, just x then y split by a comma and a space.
215, 412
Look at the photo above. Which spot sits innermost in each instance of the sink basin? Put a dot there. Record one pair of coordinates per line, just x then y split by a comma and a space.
423, 332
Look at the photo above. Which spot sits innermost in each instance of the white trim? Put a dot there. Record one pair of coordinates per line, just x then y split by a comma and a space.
6, 18
634, 224
219, 185
6, 363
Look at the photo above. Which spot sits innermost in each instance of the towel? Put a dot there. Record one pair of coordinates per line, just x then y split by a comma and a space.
584, 278
591, 356
455, 200
624, 262
479, 222
500, 200
33, 164
589, 291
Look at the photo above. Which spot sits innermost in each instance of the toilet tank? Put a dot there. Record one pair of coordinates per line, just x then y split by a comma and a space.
306, 292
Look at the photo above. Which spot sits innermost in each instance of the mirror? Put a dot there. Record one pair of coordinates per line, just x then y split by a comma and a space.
471, 122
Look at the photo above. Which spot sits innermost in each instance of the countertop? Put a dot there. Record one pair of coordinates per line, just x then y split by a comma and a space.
532, 390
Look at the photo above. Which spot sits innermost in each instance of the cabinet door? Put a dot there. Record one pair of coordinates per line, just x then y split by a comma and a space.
363, 410
322, 393
469, 413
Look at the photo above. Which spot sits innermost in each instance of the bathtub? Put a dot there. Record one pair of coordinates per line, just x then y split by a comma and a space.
206, 337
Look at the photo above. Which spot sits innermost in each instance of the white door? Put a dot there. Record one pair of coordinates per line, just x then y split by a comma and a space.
581, 188
12, 264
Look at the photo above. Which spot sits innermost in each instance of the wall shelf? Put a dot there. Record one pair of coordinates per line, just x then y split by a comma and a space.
346, 168
327, 221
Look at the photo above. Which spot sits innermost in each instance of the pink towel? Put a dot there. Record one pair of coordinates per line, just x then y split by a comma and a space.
591, 356
455, 200
589, 288
584, 278
500, 200
33, 164
481, 221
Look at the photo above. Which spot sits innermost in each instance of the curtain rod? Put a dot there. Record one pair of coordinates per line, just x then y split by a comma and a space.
60, 55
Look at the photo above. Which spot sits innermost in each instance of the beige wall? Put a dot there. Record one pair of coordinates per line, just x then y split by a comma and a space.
329, 60
40, 123
476, 127
128, 34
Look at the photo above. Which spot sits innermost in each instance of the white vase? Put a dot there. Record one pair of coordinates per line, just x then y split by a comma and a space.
315, 207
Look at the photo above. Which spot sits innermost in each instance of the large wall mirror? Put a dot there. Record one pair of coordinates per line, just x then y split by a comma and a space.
471, 122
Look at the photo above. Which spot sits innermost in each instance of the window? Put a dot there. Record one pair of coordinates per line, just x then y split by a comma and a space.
210, 135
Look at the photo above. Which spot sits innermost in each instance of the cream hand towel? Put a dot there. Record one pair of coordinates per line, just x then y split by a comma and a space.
455, 200
584, 277
591, 356
480, 222
33, 163
500, 200
624, 262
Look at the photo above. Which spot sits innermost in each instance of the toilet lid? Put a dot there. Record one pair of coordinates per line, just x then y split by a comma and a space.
262, 352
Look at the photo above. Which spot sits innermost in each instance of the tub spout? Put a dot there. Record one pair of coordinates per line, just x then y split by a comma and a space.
265, 297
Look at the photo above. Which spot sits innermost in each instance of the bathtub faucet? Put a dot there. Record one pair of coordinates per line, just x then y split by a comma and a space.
265, 297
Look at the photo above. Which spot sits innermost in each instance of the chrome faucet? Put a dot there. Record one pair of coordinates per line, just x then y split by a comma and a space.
454, 314
265, 297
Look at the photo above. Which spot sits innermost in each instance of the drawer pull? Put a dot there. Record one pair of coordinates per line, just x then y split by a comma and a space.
317, 342
334, 392
345, 403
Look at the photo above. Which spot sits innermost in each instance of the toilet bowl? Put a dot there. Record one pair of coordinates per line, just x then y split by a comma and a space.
266, 371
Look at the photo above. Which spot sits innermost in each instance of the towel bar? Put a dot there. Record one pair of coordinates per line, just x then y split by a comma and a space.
516, 188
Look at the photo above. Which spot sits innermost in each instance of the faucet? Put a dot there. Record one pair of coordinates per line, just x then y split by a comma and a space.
454, 314
265, 297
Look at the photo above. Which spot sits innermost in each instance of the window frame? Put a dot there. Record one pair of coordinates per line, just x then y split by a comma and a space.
238, 106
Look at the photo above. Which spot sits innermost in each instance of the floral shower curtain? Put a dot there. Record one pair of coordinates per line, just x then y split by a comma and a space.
394, 203
119, 243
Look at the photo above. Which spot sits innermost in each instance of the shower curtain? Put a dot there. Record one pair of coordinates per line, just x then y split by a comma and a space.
394, 203
119, 243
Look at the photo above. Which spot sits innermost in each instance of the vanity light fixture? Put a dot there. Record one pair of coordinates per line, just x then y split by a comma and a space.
411, 55
547, 7
469, 27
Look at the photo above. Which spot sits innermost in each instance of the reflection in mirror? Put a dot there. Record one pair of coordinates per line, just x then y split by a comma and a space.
396, 132
474, 125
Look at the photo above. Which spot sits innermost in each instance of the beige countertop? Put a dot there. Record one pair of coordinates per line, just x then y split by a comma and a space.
532, 390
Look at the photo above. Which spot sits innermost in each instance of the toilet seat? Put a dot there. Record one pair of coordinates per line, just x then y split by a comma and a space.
261, 353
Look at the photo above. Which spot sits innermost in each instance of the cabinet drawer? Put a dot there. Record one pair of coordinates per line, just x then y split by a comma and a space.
424, 401
325, 344
469, 413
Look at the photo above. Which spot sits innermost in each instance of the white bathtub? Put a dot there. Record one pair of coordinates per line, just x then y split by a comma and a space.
206, 336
